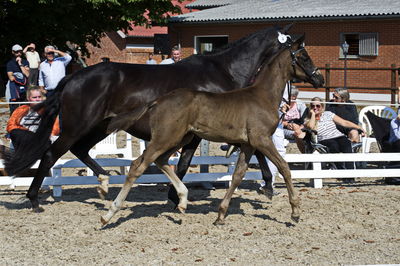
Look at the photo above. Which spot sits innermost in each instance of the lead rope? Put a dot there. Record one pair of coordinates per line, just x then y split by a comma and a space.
288, 102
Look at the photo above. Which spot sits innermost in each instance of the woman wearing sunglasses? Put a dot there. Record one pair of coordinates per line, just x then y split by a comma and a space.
325, 122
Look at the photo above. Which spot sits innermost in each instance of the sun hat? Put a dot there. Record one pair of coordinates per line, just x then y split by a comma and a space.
16, 47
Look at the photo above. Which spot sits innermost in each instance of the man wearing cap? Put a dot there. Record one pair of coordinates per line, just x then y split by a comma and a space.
52, 70
18, 73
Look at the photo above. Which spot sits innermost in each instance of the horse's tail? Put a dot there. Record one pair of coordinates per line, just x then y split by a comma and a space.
33, 146
125, 120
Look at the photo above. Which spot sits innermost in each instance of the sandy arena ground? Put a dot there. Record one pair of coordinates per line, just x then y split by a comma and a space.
340, 224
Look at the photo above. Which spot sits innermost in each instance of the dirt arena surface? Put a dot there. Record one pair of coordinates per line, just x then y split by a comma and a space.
340, 224
351, 224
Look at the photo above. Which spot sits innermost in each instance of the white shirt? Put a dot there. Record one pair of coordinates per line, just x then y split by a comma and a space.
167, 61
51, 74
33, 59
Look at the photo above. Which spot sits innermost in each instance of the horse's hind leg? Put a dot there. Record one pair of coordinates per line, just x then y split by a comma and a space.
268, 190
57, 149
81, 150
244, 157
266, 146
184, 162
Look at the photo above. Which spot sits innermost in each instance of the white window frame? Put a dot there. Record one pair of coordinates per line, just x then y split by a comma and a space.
196, 49
342, 39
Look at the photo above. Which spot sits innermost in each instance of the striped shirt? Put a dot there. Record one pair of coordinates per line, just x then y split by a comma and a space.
31, 121
327, 128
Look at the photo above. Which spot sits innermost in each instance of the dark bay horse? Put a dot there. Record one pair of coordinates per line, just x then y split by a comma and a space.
247, 117
89, 98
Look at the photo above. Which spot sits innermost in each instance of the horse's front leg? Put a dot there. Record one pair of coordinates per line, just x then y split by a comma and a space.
183, 165
57, 149
246, 152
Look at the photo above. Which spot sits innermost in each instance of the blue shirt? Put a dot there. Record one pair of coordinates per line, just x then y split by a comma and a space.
394, 130
51, 74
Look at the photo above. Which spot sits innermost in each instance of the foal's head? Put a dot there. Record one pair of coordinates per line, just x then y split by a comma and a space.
302, 65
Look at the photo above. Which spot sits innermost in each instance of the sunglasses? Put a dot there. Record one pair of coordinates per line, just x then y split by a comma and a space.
315, 105
335, 96
18, 52
50, 53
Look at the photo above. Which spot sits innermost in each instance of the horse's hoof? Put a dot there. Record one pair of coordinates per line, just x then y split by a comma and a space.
181, 209
103, 221
102, 193
219, 222
296, 219
264, 191
38, 210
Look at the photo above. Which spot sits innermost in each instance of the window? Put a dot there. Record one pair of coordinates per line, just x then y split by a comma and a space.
360, 44
206, 44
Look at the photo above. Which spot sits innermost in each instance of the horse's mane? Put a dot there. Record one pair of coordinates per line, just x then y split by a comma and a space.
264, 33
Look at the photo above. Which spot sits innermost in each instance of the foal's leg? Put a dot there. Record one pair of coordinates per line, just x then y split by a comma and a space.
136, 169
244, 157
180, 189
266, 146
266, 175
183, 165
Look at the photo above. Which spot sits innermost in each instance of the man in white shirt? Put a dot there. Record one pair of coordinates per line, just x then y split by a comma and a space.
34, 61
52, 70
175, 56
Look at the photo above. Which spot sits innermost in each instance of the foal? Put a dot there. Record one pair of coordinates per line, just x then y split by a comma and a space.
248, 116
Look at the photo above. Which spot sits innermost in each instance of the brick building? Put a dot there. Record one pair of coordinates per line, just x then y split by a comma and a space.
371, 28
131, 46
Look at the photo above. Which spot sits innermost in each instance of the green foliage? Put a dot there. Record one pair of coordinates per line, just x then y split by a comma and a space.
55, 22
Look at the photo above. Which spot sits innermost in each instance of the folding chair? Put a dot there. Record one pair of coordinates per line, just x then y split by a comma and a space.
109, 146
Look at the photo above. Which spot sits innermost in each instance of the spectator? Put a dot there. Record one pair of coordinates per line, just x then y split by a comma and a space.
18, 73
393, 144
324, 122
294, 118
175, 56
151, 61
25, 121
34, 61
345, 111
52, 70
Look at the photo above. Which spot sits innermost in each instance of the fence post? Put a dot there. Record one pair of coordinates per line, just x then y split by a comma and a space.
327, 81
393, 87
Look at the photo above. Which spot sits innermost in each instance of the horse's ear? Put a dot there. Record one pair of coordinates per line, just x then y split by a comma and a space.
300, 39
287, 28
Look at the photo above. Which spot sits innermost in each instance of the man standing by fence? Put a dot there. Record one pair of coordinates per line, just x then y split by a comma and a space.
52, 70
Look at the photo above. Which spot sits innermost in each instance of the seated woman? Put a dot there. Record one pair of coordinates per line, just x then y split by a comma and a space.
294, 118
24, 120
324, 122
345, 111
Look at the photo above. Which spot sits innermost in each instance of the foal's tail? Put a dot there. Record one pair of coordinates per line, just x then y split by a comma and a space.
125, 120
34, 146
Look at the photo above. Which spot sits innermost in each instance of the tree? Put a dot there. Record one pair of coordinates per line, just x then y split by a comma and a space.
55, 22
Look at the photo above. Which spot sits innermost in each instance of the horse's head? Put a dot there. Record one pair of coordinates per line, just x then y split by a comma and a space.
303, 67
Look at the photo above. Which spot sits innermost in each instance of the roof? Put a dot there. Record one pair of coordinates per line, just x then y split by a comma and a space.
142, 31
203, 4
264, 10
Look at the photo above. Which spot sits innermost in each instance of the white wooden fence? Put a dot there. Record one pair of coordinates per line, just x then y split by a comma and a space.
316, 175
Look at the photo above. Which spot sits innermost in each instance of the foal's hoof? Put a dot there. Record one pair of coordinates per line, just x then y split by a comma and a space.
102, 192
181, 209
38, 210
219, 222
103, 221
295, 219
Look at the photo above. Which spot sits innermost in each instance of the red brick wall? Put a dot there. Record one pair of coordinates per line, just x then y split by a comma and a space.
322, 43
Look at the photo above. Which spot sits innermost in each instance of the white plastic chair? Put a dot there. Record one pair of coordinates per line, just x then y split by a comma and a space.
379, 110
109, 146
